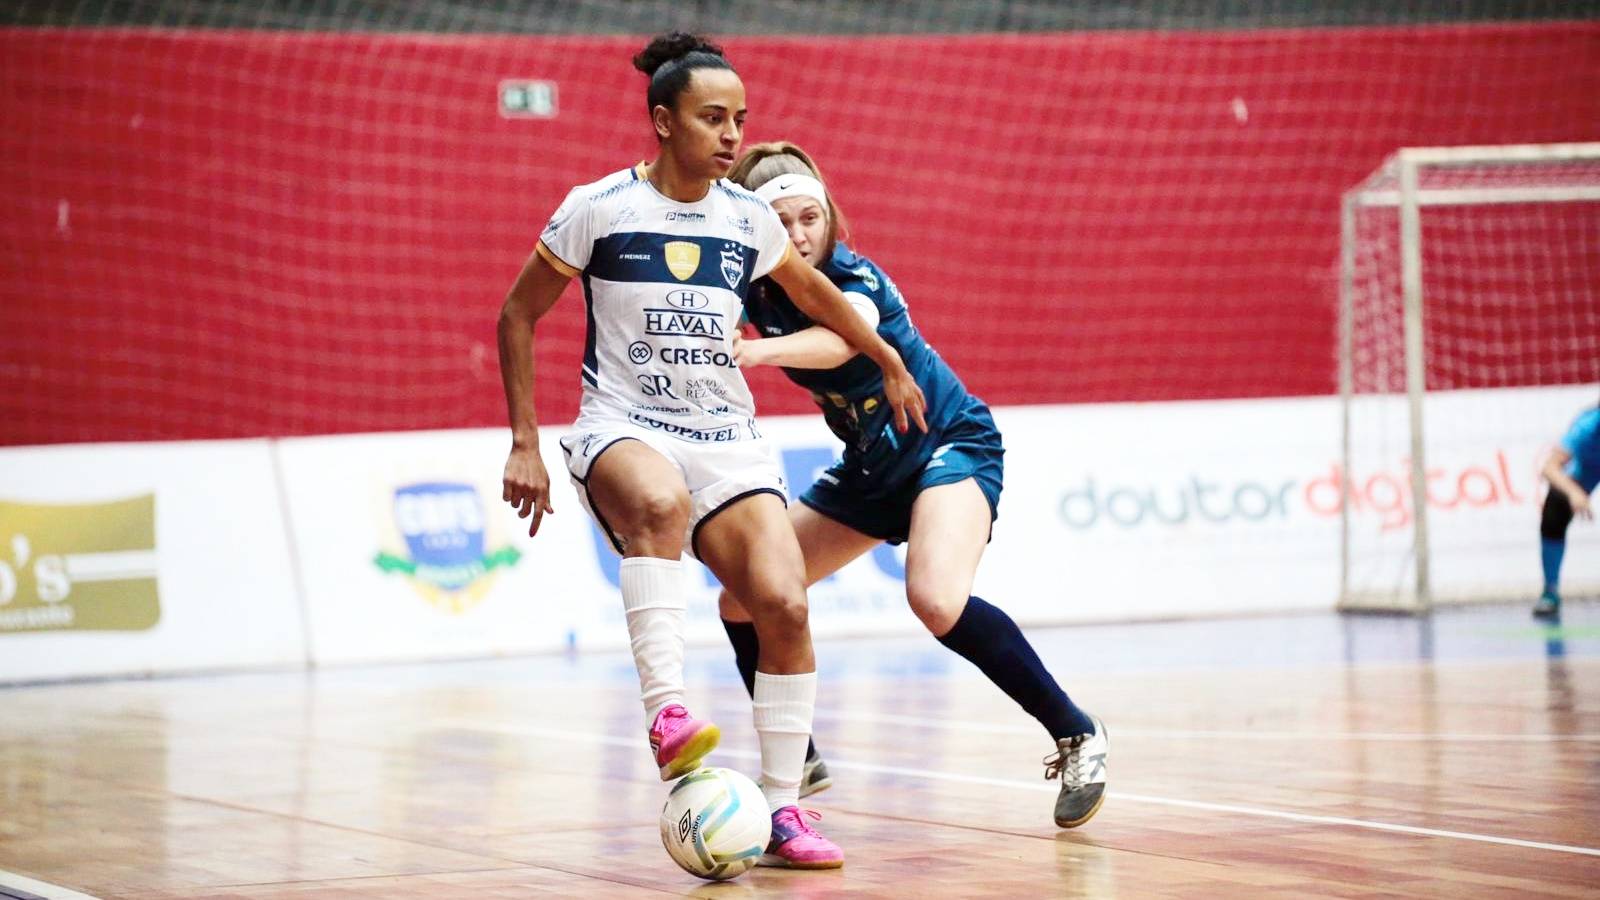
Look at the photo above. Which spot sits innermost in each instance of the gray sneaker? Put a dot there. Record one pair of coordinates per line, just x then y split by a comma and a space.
816, 778
1080, 761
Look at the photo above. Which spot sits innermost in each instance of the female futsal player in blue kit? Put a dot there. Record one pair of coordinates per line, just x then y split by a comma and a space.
1573, 471
936, 491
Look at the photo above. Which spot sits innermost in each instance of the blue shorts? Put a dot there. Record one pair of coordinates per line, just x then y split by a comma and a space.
883, 511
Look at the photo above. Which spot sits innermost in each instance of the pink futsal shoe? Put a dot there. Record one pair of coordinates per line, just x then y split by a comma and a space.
680, 741
796, 845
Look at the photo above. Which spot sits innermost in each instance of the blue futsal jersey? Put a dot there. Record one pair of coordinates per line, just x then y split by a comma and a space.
1582, 440
882, 470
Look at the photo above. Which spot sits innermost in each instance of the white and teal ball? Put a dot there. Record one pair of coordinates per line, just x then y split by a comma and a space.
715, 823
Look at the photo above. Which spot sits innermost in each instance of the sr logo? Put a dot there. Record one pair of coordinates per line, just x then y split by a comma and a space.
640, 352
688, 300
656, 386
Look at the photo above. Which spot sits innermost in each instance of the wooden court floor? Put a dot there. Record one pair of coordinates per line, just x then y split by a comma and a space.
1286, 757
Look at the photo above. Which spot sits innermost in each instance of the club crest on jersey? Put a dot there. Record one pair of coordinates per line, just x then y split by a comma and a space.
732, 264
683, 258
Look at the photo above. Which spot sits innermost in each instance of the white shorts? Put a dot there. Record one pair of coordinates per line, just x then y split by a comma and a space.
717, 474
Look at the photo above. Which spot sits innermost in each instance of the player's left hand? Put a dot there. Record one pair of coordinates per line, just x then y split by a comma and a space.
1580, 504
903, 394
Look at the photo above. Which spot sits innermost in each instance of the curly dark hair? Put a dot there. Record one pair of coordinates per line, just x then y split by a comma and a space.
669, 60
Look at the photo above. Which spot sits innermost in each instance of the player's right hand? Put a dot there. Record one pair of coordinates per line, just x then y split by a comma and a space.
1580, 504
527, 486
904, 396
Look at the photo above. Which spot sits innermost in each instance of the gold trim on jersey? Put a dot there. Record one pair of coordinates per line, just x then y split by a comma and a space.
556, 262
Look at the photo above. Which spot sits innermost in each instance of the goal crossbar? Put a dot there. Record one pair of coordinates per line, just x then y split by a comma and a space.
1389, 195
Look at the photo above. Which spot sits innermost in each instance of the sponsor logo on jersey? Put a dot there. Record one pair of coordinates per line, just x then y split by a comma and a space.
679, 216
687, 299
732, 264
639, 353
636, 257
444, 545
696, 356
556, 222
702, 435
655, 384
865, 274
624, 216
683, 258
742, 224
705, 388
664, 410
683, 323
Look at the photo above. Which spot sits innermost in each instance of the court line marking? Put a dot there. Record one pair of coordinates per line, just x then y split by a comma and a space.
1180, 734
42, 888
932, 775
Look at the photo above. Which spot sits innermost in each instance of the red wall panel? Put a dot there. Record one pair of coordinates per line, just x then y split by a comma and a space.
217, 234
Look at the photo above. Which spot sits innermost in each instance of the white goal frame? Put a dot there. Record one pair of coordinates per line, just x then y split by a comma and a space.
1403, 169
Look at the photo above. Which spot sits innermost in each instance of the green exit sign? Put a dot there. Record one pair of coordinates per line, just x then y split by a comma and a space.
527, 99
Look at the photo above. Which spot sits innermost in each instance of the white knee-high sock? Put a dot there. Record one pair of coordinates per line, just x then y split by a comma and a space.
783, 709
652, 600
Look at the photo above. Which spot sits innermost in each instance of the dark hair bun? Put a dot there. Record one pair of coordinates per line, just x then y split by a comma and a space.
665, 48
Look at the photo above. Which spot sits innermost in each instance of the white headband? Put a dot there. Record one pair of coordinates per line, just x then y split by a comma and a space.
793, 186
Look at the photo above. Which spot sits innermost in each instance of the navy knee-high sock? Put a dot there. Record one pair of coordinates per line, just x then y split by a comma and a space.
746, 650
986, 637
1553, 522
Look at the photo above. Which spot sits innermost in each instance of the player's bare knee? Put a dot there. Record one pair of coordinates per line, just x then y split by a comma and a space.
780, 609
936, 609
730, 608
660, 515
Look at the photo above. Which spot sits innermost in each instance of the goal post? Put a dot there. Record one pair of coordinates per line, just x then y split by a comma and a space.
1469, 304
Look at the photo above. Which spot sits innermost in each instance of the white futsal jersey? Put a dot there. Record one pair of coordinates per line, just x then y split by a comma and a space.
665, 284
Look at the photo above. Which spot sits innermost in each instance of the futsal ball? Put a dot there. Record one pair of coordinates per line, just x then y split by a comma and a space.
715, 823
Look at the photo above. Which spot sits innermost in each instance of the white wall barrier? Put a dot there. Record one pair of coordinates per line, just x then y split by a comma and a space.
1130, 511
407, 551
159, 557
120, 559
1485, 449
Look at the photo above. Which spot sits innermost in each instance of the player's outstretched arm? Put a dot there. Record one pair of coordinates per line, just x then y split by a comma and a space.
821, 299
810, 348
1555, 472
526, 484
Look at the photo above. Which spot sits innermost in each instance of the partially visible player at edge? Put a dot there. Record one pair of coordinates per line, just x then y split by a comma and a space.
937, 491
1573, 470
665, 453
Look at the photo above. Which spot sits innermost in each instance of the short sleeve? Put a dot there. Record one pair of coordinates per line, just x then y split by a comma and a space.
772, 242
864, 307
569, 238
1583, 433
